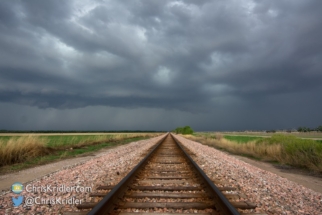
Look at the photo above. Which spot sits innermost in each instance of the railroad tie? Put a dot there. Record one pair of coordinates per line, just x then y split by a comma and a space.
168, 178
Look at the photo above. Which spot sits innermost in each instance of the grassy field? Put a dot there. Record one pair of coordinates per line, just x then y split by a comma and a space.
313, 135
18, 152
285, 149
241, 139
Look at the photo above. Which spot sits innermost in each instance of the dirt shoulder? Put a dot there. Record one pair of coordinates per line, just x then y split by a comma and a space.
302, 177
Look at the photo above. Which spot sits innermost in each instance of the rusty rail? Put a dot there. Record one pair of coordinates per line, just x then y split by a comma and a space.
222, 202
107, 204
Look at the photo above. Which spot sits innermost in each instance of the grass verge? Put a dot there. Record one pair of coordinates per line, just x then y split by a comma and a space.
285, 149
18, 153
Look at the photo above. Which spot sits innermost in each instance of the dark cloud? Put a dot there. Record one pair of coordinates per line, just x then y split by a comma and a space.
241, 64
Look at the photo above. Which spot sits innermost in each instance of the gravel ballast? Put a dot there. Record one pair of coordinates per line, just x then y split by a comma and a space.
272, 193
62, 190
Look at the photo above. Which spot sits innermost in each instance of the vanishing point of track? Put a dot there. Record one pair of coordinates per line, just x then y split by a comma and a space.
167, 179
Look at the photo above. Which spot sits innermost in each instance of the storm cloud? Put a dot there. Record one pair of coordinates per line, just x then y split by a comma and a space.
108, 65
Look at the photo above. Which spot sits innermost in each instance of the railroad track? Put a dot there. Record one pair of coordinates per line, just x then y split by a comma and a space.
167, 181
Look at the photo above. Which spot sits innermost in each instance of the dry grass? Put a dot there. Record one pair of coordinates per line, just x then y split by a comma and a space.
284, 149
20, 149
267, 152
218, 136
17, 149
64, 134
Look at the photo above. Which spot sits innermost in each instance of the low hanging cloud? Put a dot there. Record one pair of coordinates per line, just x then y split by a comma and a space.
196, 57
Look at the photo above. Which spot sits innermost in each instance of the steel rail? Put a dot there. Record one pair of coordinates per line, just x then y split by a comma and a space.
224, 205
107, 204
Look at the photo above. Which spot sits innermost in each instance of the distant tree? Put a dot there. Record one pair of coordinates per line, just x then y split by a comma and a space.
179, 130
319, 128
270, 131
187, 130
304, 129
183, 130
176, 130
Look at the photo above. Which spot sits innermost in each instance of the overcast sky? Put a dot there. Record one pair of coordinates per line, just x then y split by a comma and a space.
156, 65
